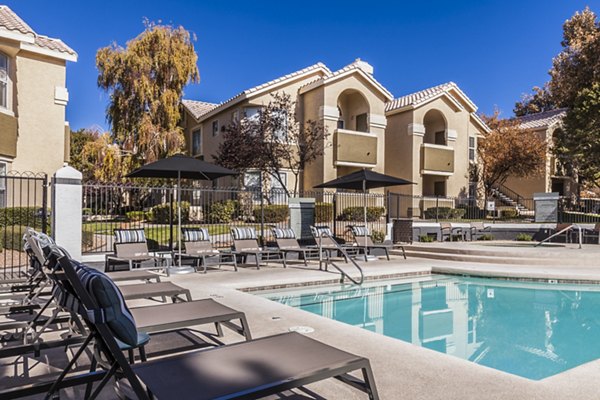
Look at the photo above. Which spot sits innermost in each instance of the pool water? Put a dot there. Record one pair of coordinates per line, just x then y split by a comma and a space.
533, 330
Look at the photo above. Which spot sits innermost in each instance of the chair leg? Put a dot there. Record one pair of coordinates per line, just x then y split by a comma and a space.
143, 357
131, 356
219, 329
387, 253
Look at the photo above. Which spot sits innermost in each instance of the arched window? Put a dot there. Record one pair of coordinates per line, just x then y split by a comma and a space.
3, 80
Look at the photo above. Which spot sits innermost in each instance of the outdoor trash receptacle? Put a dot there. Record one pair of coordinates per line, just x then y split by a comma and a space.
402, 230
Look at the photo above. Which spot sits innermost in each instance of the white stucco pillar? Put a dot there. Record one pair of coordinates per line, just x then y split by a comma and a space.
66, 210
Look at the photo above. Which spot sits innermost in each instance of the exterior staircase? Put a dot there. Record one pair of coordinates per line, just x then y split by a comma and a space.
510, 198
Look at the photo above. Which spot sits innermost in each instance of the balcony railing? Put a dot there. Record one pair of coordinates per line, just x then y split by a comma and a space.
354, 148
437, 159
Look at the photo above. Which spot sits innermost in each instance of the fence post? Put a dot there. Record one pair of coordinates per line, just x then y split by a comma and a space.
67, 210
334, 208
45, 204
437, 208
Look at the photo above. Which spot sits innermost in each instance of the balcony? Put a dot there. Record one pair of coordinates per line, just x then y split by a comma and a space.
437, 160
355, 149
8, 135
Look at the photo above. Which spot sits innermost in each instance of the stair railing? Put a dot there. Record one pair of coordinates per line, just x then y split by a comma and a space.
568, 228
328, 261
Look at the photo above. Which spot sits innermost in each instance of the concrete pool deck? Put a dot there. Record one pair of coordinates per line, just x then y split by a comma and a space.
402, 370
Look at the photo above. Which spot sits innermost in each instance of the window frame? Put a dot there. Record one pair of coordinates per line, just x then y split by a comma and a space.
215, 127
5, 82
472, 148
3, 182
198, 151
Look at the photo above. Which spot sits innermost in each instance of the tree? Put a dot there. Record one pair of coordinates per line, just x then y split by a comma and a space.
104, 158
78, 141
145, 81
539, 101
507, 151
274, 141
580, 146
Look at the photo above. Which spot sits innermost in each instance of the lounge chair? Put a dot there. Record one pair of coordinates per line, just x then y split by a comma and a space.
594, 232
325, 241
449, 230
245, 243
248, 370
478, 229
363, 239
288, 243
131, 248
198, 248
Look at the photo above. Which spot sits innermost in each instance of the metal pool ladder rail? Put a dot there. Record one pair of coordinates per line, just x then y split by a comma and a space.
328, 260
568, 228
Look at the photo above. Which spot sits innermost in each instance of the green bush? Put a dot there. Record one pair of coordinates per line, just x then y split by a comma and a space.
472, 212
136, 216
358, 214
524, 237
221, 212
444, 213
86, 211
486, 236
26, 216
87, 239
426, 239
273, 213
160, 214
509, 213
11, 237
323, 212
377, 236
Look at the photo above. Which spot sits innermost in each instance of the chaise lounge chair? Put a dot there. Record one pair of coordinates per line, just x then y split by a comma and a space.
198, 248
245, 243
248, 370
131, 248
363, 240
288, 243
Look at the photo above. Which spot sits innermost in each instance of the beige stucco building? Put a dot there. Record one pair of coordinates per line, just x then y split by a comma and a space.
34, 135
428, 137
551, 179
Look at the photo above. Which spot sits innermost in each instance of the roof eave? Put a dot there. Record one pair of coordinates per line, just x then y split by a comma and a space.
48, 52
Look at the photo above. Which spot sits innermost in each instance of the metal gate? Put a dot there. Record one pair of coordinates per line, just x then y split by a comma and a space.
23, 203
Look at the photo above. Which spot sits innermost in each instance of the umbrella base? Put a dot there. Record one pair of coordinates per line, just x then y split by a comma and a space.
180, 270
362, 257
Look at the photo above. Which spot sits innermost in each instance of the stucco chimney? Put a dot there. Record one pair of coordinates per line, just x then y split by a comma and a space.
365, 66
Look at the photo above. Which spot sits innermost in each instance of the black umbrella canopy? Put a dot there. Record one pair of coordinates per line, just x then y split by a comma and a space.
181, 166
371, 178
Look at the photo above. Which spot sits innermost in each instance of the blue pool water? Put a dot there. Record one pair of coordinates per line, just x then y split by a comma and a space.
533, 330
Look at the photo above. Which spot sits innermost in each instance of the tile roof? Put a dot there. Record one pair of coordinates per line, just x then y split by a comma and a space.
422, 96
12, 22
198, 108
542, 119
356, 66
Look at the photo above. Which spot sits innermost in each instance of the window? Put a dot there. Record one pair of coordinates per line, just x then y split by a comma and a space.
278, 194
3, 80
439, 188
197, 142
361, 123
253, 184
471, 148
2, 184
215, 128
440, 138
251, 113
281, 127
235, 116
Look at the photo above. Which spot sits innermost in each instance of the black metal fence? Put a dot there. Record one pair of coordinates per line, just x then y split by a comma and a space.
109, 206
23, 203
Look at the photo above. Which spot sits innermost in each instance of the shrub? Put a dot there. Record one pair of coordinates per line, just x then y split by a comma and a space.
486, 236
358, 214
86, 211
426, 239
509, 213
26, 216
323, 212
273, 213
524, 237
160, 214
11, 237
472, 212
221, 212
136, 216
87, 239
377, 236
444, 213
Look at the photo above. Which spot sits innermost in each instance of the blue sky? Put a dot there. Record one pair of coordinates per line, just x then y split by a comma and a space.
494, 50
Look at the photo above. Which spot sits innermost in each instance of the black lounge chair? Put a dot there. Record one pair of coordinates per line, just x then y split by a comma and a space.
247, 370
198, 248
363, 240
245, 243
288, 243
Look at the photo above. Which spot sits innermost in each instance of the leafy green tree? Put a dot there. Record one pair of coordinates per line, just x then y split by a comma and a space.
145, 81
580, 144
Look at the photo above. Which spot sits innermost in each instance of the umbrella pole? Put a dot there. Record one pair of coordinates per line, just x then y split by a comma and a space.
365, 212
179, 215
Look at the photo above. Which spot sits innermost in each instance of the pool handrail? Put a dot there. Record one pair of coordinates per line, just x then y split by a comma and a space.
578, 227
328, 260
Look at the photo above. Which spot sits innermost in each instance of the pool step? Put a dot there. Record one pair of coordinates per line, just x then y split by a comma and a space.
490, 259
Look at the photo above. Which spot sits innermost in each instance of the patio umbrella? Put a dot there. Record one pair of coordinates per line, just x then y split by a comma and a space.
364, 180
181, 166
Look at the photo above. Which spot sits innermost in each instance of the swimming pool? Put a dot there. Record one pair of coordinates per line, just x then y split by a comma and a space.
533, 330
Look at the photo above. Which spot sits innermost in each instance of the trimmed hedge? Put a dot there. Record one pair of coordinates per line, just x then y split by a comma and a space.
444, 213
137, 216
221, 212
358, 214
26, 216
160, 214
11, 237
274, 213
323, 212
509, 213
524, 237
377, 236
